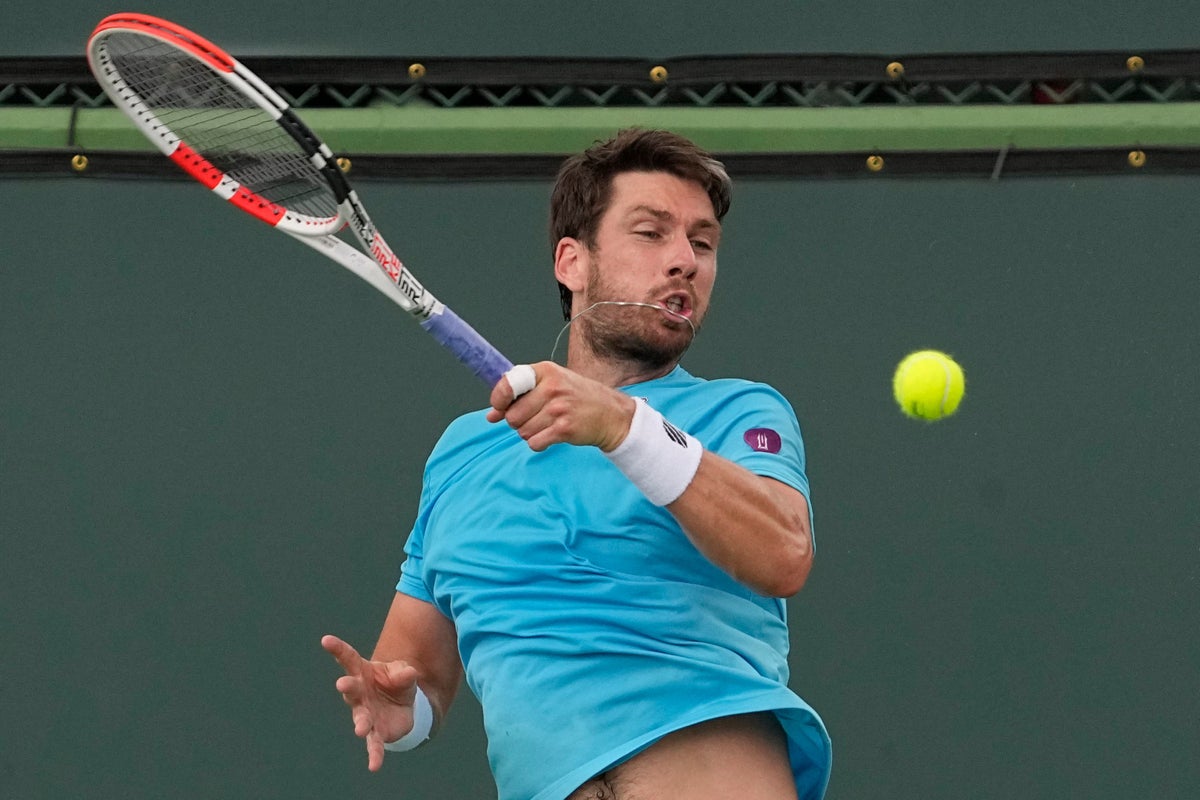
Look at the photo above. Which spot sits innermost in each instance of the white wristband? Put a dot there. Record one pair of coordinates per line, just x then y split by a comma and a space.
657, 457
422, 725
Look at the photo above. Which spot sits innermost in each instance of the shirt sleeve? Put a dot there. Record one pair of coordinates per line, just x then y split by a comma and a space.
466, 434
412, 571
755, 427
412, 581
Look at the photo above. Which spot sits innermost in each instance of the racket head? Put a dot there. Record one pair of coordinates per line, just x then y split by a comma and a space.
219, 122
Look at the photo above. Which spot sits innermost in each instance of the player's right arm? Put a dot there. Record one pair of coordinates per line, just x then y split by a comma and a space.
417, 647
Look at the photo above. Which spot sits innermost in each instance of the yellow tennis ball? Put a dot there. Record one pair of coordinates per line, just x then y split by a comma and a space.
928, 384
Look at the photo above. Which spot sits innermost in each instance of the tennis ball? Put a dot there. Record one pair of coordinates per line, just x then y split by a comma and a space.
928, 384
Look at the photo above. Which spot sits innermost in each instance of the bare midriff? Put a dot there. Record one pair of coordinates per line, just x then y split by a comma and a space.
743, 757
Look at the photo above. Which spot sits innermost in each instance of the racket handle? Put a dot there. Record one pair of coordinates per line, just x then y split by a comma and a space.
477, 353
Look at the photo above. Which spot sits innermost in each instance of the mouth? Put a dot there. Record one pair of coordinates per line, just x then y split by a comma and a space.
677, 304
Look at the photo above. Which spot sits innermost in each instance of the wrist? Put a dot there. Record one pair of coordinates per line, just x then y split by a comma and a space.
628, 408
422, 726
657, 457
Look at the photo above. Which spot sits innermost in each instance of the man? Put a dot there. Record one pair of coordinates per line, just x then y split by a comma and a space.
610, 563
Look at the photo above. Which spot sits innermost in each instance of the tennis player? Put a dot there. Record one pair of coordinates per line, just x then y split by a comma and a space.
606, 550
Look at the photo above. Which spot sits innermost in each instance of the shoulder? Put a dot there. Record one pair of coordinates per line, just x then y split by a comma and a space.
466, 426
748, 422
716, 396
747, 390
467, 438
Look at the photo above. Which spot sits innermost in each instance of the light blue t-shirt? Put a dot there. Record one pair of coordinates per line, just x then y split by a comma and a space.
588, 624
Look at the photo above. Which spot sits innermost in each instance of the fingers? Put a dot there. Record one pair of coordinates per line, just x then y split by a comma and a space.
364, 723
518, 381
521, 379
564, 407
378, 693
560, 407
375, 752
344, 654
366, 679
351, 685
351, 688
539, 430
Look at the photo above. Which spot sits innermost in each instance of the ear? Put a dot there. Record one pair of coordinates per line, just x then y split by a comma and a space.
571, 262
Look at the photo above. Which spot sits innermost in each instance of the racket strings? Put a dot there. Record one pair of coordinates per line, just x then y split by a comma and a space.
230, 130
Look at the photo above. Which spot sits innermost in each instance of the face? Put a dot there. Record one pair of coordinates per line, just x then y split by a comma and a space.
656, 244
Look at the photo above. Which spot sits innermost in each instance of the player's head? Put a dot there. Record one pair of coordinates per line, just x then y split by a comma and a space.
584, 187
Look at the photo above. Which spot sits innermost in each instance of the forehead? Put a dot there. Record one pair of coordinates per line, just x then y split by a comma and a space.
660, 191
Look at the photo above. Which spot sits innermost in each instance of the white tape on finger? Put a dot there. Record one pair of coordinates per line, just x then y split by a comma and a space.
522, 379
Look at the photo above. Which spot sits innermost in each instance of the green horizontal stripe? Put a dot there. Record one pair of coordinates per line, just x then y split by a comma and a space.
423, 130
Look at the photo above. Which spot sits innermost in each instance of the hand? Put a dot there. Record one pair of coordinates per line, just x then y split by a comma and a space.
380, 695
564, 406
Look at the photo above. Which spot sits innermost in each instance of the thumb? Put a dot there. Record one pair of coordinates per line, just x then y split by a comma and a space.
398, 676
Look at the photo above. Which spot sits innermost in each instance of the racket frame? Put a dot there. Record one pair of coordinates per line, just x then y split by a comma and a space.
383, 270
413, 296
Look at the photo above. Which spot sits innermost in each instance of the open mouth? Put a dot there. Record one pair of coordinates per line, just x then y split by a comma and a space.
678, 305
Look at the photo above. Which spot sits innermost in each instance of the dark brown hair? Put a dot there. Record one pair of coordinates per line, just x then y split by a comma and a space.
584, 186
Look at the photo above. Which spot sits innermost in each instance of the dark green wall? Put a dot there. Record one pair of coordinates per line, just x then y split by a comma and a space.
625, 27
209, 457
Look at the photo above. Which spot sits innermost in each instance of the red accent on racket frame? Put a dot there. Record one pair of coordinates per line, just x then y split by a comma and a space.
197, 45
209, 176
384, 255
258, 206
196, 165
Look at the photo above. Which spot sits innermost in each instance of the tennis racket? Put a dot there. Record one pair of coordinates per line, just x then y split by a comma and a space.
232, 133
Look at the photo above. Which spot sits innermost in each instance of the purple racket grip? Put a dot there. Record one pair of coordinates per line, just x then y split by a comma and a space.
467, 345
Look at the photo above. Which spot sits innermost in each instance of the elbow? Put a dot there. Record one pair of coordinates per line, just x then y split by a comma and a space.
790, 577
793, 557
789, 570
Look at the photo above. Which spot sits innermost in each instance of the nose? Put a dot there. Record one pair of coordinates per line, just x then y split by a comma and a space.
682, 260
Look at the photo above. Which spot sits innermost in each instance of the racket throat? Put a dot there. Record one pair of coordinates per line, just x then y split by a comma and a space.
408, 285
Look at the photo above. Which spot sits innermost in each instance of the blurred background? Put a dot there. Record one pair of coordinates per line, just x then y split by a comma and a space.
212, 439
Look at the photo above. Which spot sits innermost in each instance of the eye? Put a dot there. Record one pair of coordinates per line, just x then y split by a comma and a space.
702, 244
647, 233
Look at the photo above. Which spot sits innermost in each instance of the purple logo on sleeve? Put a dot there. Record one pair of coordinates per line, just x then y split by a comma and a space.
764, 440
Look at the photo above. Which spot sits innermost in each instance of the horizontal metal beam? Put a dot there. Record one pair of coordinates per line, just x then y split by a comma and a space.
412, 130
989, 164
